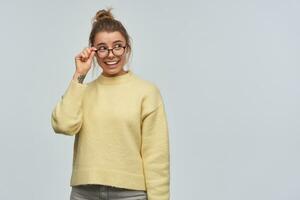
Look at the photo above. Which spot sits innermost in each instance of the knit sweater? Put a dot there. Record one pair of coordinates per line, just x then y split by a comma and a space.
121, 133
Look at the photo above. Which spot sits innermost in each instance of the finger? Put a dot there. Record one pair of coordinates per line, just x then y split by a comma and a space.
83, 57
85, 53
78, 56
93, 48
92, 54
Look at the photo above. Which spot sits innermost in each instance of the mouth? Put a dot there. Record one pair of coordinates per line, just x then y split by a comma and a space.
112, 64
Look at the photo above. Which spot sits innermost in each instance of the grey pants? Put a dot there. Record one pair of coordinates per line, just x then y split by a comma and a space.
105, 192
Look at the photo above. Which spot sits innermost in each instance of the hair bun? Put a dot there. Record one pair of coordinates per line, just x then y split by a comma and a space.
102, 14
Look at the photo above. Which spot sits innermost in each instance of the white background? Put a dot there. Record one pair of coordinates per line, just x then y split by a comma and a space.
228, 72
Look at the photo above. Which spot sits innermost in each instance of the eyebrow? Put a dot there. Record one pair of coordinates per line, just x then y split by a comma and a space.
105, 43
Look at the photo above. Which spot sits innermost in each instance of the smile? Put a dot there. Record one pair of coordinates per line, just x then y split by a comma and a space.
112, 62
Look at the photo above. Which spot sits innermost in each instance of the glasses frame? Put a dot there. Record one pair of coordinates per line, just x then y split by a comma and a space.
112, 50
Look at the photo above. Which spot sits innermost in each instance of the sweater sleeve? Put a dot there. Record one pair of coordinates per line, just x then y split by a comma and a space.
66, 117
155, 152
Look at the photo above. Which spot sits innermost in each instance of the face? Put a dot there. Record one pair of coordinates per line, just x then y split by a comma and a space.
112, 65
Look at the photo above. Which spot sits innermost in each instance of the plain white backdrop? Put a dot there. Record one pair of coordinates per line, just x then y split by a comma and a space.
228, 72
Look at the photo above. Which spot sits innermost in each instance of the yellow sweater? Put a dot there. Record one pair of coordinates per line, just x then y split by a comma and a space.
121, 133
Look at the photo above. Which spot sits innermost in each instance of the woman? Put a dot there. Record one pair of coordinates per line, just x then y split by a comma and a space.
121, 146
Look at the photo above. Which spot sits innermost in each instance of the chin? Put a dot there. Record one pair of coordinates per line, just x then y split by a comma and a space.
112, 71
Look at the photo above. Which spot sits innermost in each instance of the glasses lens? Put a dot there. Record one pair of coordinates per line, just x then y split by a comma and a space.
118, 51
102, 52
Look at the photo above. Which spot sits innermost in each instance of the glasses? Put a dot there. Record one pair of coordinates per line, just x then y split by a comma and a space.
118, 50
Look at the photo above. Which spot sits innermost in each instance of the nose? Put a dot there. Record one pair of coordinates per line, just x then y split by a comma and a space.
110, 54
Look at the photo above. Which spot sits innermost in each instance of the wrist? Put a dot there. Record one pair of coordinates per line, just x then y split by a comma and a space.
79, 77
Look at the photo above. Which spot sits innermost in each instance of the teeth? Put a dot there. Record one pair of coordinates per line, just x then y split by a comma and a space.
111, 63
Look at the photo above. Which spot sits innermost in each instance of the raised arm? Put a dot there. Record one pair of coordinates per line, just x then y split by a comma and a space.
66, 116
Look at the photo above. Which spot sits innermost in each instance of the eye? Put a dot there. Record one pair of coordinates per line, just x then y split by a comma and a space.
118, 45
102, 48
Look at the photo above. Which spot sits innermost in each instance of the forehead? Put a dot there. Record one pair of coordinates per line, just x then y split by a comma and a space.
108, 37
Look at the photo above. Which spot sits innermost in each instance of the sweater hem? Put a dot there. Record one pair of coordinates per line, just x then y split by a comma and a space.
113, 178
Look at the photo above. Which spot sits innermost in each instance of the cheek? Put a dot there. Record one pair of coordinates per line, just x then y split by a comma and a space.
122, 61
99, 61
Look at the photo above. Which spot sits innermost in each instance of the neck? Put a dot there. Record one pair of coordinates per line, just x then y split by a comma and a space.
113, 75
113, 80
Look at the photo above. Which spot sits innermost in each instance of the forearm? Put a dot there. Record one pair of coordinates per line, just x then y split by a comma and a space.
67, 114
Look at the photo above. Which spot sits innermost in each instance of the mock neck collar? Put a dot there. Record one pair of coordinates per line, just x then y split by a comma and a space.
113, 80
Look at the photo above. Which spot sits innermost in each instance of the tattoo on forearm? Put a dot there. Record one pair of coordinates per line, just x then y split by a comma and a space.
81, 78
